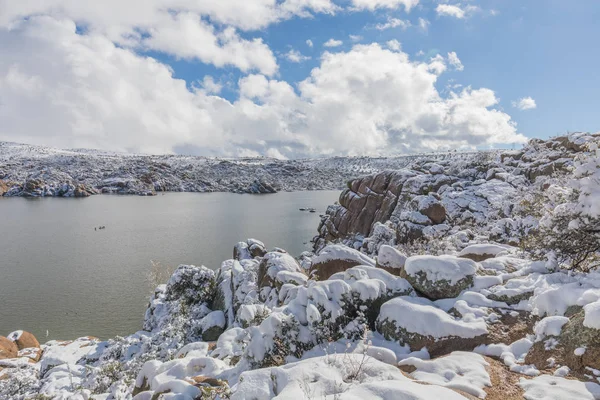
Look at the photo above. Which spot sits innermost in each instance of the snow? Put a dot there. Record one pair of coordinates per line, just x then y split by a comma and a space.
57, 352
344, 376
512, 355
420, 315
579, 351
390, 257
340, 252
458, 370
549, 326
437, 268
548, 387
592, 315
482, 249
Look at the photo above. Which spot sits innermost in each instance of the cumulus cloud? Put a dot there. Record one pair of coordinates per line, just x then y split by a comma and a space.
333, 43
179, 28
393, 23
393, 45
424, 24
295, 56
526, 103
355, 38
85, 91
309, 43
455, 61
374, 4
456, 10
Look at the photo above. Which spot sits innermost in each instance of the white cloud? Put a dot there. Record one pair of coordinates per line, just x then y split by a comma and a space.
424, 24
84, 91
295, 56
309, 43
210, 86
393, 23
179, 28
355, 38
394, 45
455, 10
392, 4
455, 61
333, 43
526, 103
116, 17
187, 36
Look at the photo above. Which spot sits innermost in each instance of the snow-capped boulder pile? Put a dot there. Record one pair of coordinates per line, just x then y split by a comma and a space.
335, 376
337, 258
440, 277
489, 191
418, 323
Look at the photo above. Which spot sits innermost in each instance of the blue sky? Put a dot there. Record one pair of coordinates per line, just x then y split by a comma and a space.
543, 50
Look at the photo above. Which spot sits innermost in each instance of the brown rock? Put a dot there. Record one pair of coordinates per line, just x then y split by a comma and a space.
3, 187
324, 270
33, 353
24, 339
8, 349
436, 212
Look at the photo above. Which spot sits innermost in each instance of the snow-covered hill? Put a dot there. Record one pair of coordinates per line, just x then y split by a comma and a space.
27, 170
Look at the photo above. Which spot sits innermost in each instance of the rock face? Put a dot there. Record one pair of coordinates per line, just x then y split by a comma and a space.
428, 197
8, 348
439, 277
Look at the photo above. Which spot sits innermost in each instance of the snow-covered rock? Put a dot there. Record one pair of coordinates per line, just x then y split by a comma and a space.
440, 277
417, 322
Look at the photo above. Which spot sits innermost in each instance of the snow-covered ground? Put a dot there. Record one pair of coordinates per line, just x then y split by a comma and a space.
465, 313
57, 172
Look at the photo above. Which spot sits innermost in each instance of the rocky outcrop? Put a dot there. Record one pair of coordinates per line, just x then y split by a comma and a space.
24, 340
428, 198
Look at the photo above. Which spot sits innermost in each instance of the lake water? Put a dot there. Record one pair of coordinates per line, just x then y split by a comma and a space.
60, 276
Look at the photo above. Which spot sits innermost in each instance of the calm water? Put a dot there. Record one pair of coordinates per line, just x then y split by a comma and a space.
59, 275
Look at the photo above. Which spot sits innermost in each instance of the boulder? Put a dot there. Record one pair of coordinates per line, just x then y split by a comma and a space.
8, 348
439, 277
274, 263
256, 248
337, 258
390, 259
24, 339
433, 209
481, 252
418, 323
212, 326
575, 335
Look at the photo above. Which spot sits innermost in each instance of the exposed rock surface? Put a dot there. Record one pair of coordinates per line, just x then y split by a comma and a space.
427, 199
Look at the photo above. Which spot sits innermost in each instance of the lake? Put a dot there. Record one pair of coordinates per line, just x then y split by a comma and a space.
61, 279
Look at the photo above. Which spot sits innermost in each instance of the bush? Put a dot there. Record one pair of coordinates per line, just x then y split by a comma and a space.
573, 237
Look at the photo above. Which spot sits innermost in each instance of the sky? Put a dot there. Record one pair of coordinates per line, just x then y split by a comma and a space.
296, 78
